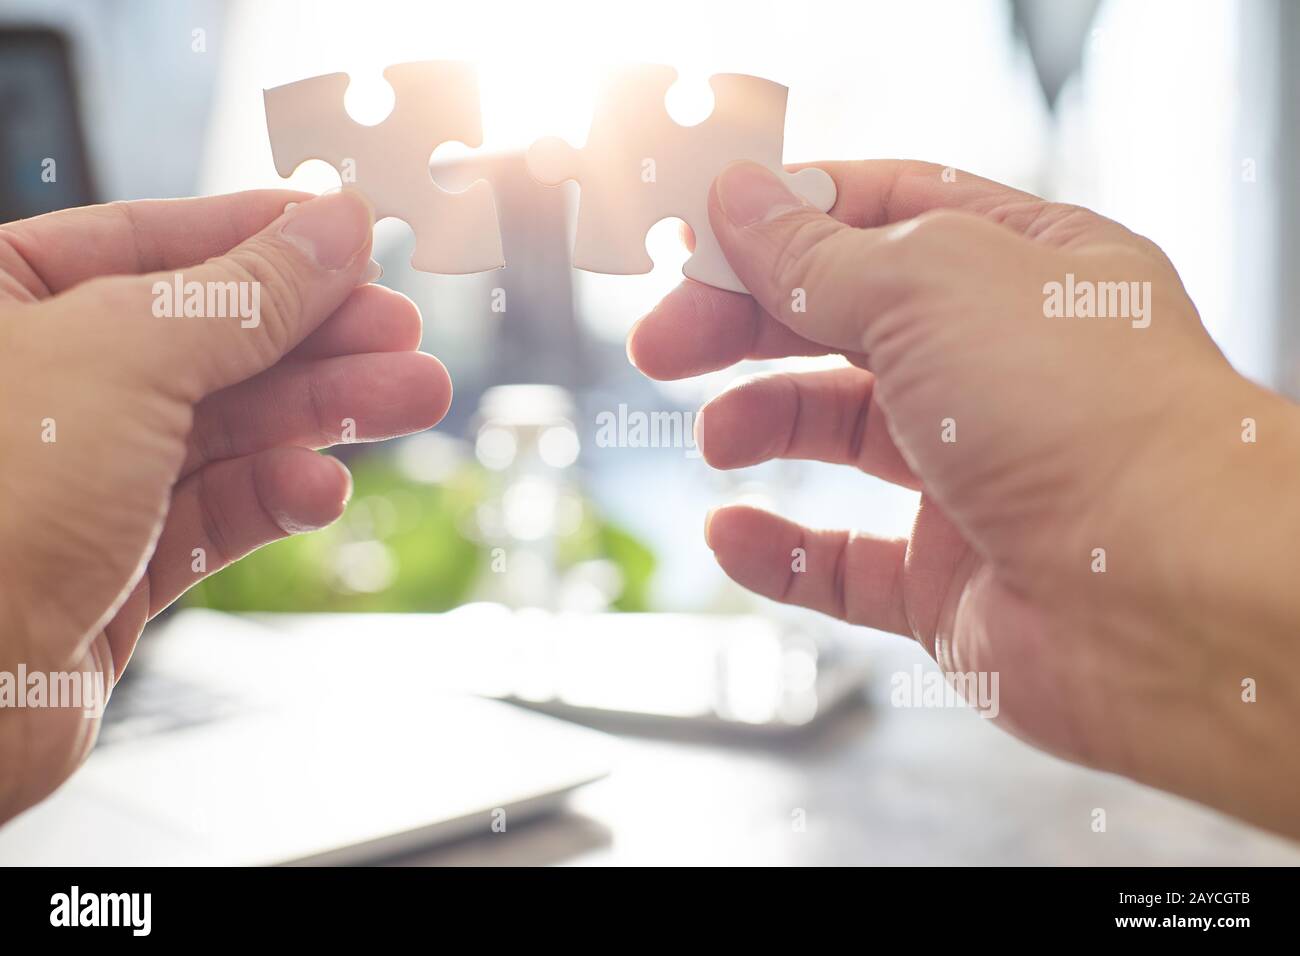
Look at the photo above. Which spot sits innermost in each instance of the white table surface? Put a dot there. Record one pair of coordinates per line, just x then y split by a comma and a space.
876, 785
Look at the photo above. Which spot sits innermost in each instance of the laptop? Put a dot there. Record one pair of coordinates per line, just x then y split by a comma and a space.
243, 745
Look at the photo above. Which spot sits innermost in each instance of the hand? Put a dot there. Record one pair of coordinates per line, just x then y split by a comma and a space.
143, 452
1093, 526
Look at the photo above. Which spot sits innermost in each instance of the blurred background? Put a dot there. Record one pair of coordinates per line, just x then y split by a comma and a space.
562, 498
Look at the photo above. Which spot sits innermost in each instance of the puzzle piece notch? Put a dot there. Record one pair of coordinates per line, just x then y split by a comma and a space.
552, 161
632, 135
388, 163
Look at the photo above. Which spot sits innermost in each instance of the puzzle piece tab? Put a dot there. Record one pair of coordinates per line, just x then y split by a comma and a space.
435, 102
639, 166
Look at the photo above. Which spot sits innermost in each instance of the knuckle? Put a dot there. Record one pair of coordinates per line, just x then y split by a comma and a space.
119, 295
282, 292
1069, 211
208, 440
1061, 223
318, 404
853, 425
1154, 252
213, 523
839, 579
939, 225
789, 589
914, 247
799, 252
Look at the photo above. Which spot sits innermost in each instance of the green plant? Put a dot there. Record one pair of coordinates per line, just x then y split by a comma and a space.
404, 546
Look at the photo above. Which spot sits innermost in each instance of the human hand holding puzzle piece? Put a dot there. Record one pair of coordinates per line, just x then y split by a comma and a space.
638, 166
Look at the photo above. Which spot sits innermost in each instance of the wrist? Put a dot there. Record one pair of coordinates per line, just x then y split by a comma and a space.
1239, 541
1235, 601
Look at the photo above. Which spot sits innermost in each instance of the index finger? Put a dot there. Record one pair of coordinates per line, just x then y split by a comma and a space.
697, 329
61, 249
877, 192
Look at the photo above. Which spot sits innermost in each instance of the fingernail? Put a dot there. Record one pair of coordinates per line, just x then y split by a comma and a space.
374, 272
330, 230
630, 334
347, 476
697, 433
750, 193
708, 520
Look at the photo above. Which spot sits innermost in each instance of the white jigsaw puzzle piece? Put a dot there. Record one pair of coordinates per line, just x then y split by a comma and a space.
639, 166
434, 102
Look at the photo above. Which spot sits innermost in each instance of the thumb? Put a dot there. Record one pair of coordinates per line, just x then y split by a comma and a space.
822, 278
237, 314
